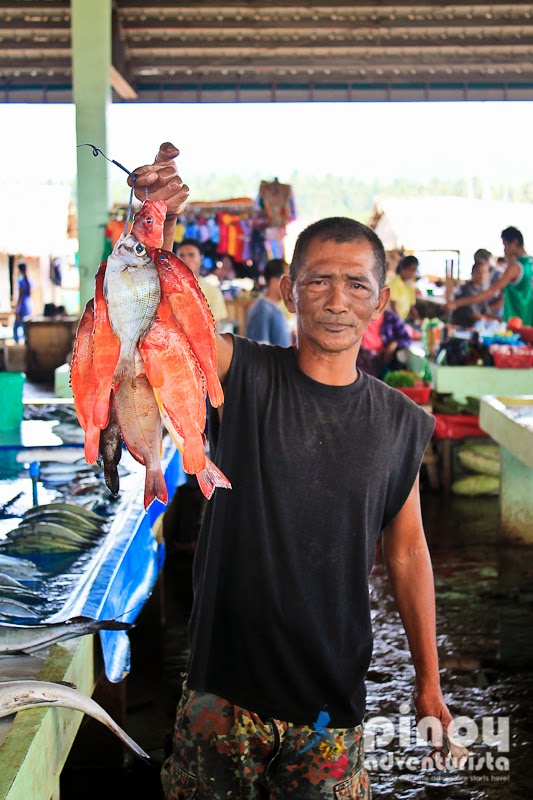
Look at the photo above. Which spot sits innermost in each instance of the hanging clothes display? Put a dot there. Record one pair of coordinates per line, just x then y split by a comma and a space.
276, 203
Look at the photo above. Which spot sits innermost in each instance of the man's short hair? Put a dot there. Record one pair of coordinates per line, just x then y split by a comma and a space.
340, 230
274, 268
511, 235
191, 243
482, 255
406, 262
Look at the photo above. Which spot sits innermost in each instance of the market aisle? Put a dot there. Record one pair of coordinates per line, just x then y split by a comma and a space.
484, 623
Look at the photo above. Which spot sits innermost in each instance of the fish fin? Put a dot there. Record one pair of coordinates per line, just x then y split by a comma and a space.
154, 373
193, 455
101, 410
67, 683
164, 309
211, 477
214, 390
155, 486
92, 444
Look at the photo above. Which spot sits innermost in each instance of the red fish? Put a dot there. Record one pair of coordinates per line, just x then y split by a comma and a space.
173, 370
210, 477
81, 380
190, 308
106, 352
148, 223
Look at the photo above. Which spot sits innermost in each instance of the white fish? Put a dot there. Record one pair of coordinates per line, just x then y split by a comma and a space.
132, 291
21, 695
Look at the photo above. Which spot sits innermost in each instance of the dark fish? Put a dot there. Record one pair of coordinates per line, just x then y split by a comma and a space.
111, 450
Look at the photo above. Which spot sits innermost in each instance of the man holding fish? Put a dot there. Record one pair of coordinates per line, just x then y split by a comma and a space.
322, 459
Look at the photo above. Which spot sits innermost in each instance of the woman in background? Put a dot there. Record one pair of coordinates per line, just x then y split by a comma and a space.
402, 289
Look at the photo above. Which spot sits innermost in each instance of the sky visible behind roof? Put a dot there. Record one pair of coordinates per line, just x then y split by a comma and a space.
380, 140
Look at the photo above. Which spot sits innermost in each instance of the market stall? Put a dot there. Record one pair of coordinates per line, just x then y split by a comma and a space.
110, 580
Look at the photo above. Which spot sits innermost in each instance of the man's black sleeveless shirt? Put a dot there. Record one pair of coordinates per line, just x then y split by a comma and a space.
281, 618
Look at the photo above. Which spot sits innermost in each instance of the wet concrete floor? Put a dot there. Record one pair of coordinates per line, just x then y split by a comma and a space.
485, 639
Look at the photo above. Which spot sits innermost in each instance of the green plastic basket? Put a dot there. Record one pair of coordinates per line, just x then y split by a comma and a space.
12, 409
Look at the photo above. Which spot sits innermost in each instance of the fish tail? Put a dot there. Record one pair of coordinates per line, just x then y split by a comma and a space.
214, 390
211, 477
92, 443
194, 460
125, 369
155, 486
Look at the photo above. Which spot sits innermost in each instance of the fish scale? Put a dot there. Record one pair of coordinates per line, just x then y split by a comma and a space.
132, 291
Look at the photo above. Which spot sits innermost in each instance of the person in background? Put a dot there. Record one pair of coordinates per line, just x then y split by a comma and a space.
383, 345
267, 322
190, 252
516, 283
280, 630
402, 289
495, 305
24, 306
466, 316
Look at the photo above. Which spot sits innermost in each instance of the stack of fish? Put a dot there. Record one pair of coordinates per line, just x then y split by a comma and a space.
54, 528
145, 352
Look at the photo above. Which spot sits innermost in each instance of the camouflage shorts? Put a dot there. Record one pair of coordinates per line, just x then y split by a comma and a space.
224, 751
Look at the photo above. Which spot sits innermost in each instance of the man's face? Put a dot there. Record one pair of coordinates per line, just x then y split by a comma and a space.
480, 275
511, 250
192, 257
335, 295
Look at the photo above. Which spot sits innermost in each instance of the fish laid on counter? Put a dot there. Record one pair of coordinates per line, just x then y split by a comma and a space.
19, 568
152, 357
14, 609
18, 696
16, 639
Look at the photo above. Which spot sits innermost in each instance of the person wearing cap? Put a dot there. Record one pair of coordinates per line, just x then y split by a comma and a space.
402, 289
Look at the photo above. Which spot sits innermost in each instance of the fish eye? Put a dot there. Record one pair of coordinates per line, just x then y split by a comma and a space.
161, 259
139, 248
149, 220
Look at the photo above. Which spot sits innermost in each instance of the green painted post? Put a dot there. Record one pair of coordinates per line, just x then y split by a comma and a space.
91, 61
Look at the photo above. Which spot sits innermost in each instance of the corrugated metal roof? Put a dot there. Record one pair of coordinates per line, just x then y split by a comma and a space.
251, 51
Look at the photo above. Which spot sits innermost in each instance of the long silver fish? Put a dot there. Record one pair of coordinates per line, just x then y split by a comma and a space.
30, 638
132, 291
21, 695
67, 519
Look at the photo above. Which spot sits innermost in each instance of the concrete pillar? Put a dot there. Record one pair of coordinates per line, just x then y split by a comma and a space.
91, 61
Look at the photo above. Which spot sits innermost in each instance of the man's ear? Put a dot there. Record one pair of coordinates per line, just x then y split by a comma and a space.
384, 297
286, 289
